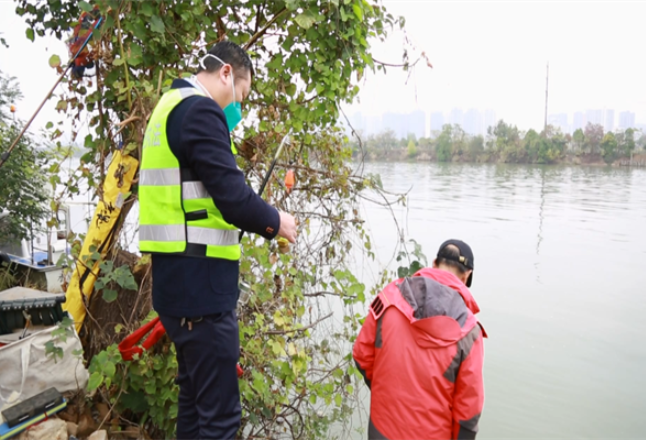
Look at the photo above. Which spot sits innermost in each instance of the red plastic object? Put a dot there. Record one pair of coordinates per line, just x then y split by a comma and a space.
289, 180
128, 347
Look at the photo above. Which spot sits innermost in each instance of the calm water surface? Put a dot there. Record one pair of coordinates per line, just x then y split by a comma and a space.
561, 280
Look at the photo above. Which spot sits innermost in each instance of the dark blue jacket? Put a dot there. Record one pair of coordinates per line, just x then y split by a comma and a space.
188, 286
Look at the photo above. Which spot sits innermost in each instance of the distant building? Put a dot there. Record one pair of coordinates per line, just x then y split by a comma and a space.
404, 124
395, 122
609, 117
560, 121
417, 124
456, 117
594, 117
357, 123
473, 122
489, 119
437, 121
578, 122
374, 125
626, 120
365, 125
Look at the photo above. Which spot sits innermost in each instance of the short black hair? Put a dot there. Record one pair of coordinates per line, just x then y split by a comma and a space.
452, 253
230, 53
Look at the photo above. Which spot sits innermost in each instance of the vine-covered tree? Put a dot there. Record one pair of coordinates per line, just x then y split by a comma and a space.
309, 56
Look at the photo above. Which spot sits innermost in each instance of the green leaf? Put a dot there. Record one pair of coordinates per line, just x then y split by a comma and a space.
305, 20
292, 5
49, 125
157, 25
30, 34
278, 319
109, 369
102, 358
132, 146
135, 401
54, 61
117, 62
358, 11
147, 8
85, 6
135, 57
125, 279
106, 266
338, 399
96, 379
150, 388
109, 295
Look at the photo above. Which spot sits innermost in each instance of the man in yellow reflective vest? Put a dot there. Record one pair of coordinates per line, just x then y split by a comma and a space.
193, 203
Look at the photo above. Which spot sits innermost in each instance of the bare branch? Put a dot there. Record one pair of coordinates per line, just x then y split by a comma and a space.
262, 31
315, 294
301, 329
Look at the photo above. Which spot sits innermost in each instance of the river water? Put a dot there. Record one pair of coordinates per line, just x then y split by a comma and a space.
560, 277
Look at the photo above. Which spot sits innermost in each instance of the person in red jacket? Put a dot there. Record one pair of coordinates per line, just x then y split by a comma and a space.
421, 353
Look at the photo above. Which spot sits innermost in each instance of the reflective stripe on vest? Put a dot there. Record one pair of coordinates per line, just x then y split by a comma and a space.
206, 236
176, 212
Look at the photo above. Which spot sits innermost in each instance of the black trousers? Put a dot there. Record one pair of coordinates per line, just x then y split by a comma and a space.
207, 355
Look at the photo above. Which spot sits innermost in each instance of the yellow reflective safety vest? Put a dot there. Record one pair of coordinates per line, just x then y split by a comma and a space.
176, 213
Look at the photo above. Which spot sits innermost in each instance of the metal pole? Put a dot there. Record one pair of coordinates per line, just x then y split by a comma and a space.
5, 155
269, 171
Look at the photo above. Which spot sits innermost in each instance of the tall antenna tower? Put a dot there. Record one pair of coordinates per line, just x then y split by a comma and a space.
547, 78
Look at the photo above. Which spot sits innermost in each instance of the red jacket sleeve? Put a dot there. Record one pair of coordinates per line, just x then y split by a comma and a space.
363, 351
468, 399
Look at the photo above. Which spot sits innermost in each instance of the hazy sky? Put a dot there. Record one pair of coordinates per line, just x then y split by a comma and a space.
484, 55
494, 55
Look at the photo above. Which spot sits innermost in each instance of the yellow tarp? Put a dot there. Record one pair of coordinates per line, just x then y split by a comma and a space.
116, 187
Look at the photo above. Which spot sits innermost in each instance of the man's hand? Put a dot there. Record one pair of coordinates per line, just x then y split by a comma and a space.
287, 227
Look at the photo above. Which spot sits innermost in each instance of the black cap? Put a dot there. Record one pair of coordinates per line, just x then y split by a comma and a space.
465, 257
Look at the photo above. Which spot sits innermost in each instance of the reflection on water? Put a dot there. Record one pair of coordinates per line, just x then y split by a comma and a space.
560, 278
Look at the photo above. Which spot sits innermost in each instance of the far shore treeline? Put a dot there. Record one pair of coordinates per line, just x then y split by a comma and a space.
505, 143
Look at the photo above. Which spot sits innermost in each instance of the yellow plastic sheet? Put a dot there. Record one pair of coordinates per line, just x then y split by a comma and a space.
116, 187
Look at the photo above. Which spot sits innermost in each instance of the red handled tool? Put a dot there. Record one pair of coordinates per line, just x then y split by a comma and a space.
129, 346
